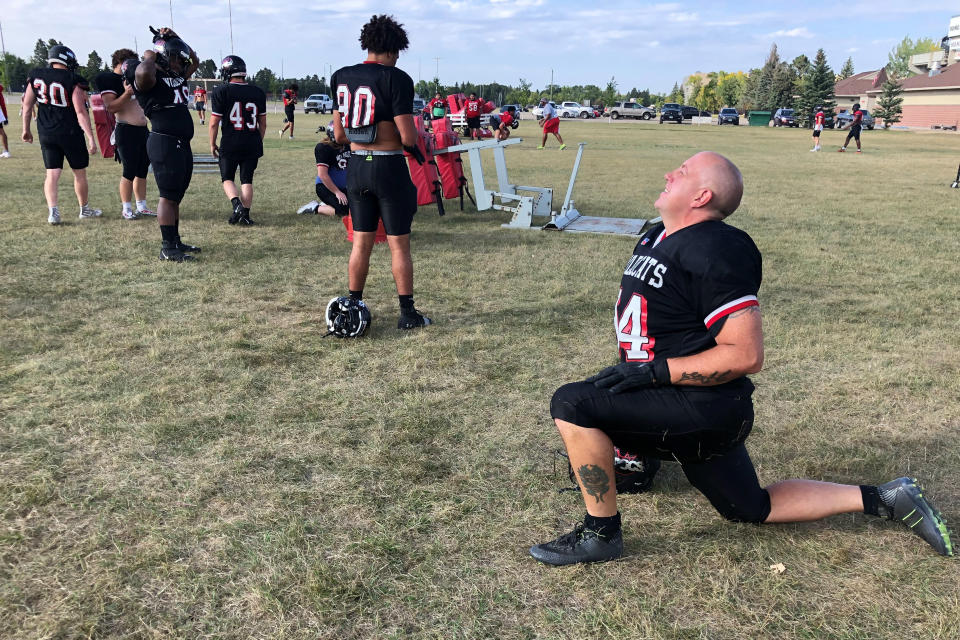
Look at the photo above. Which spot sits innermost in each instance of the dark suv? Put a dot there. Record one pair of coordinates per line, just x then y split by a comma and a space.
785, 118
728, 115
671, 111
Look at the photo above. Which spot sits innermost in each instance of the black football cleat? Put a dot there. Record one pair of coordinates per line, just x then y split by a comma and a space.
186, 248
580, 545
244, 219
412, 319
173, 254
902, 500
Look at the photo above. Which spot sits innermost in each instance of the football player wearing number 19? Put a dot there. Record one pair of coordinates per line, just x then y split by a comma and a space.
160, 86
374, 114
241, 110
689, 331
62, 122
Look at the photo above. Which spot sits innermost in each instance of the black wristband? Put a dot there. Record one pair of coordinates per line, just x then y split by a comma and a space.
661, 372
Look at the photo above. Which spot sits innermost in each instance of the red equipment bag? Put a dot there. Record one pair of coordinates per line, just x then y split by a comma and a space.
456, 102
488, 107
381, 232
105, 123
425, 176
450, 164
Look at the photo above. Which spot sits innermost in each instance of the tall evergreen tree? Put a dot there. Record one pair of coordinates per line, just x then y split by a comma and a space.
818, 87
846, 70
890, 104
40, 50
676, 94
94, 66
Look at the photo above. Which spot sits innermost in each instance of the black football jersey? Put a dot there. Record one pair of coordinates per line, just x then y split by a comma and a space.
677, 290
369, 93
239, 106
54, 91
165, 104
335, 159
109, 82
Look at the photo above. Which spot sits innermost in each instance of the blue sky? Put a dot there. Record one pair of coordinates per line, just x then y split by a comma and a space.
641, 44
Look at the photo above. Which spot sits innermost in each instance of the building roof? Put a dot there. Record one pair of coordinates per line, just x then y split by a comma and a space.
861, 83
948, 78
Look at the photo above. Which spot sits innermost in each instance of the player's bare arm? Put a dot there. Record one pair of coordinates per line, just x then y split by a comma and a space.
83, 117
146, 75
338, 132
407, 130
214, 129
29, 101
262, 124
739, 352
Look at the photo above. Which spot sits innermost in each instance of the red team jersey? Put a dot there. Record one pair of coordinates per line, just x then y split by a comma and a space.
289, 97
3, 106
200, 94
472, 108
818, 120
506, 119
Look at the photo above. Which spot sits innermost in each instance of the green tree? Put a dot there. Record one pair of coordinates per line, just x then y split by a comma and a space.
94, 66
610, 93
15, 70
207, 69
890, 103
676, 94
899, 57
817, 88
40, 50
846, 70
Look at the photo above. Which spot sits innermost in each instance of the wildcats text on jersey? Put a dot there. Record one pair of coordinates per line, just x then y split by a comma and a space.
640, 266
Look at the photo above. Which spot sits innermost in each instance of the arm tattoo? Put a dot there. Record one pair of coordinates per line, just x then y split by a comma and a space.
716, 377
745, 311
594, 480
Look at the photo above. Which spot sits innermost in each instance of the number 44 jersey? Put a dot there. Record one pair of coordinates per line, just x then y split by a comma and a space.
54, 91
678, 290
239, 106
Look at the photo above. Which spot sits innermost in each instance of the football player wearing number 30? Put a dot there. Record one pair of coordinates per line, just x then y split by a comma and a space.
62, 122
374, 113
241, 109
689, 331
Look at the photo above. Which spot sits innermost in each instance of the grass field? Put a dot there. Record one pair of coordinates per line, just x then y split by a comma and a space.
182, 455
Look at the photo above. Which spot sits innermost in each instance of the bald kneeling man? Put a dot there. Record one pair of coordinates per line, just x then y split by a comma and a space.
689, 331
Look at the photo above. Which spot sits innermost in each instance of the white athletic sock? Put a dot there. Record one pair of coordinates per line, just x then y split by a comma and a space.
127, 207
141, 205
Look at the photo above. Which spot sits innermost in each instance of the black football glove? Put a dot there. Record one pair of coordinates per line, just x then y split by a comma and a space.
628, 376
416, 153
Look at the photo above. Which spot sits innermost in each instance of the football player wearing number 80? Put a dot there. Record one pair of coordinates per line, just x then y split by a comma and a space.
62, 122
159, 83
374, 114
689, 331
240, 109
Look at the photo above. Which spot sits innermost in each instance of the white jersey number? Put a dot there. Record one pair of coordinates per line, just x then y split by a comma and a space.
363, 104
57, 97
631, 329
181, 95
236, 116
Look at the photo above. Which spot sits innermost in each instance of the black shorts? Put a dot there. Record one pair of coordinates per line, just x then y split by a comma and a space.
816, 133
855, 132
326, 197
200, 106
702, 429
289, 110
229, 164
172, 161
72, 147
473, 123
379, 187
131, 150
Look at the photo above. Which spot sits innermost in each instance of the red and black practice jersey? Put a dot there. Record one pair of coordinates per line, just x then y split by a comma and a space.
289, 97
54, 90
677, 290
369, 93
165, 103
239, 106
472, 108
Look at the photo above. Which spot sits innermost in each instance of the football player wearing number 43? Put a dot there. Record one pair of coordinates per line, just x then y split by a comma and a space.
689, 331
240, 109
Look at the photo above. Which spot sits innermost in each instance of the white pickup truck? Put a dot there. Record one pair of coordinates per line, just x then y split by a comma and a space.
574, 110
318, 103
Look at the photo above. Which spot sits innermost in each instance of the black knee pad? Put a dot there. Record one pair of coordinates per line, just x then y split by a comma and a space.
754, 511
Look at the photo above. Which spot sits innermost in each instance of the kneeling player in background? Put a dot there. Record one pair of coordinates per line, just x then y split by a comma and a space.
241, 107
331, 182
130, 134
502, 131
159, 83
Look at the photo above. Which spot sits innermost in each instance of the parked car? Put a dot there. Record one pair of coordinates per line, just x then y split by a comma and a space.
844, 118
693, 112
318, 103
671, 111
785, 118
629, 110
574, 110
419, 105
538, 110
728, 115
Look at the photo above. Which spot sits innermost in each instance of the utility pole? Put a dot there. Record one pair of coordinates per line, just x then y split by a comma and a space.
171, 14
551, 85
230, 13
3, 48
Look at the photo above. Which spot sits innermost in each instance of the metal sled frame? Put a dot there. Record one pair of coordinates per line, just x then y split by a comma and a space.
205, 164
524, 207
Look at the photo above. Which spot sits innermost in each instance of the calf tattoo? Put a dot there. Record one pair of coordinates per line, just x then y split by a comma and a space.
594, 480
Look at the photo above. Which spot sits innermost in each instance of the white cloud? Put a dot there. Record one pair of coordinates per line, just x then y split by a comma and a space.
683, 17
798, 32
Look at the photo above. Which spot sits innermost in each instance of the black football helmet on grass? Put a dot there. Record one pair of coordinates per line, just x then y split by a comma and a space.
347, 317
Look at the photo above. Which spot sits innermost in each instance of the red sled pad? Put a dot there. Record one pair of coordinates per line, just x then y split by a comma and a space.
425, 176
450, 165
105, 123
456, 102
488, 107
